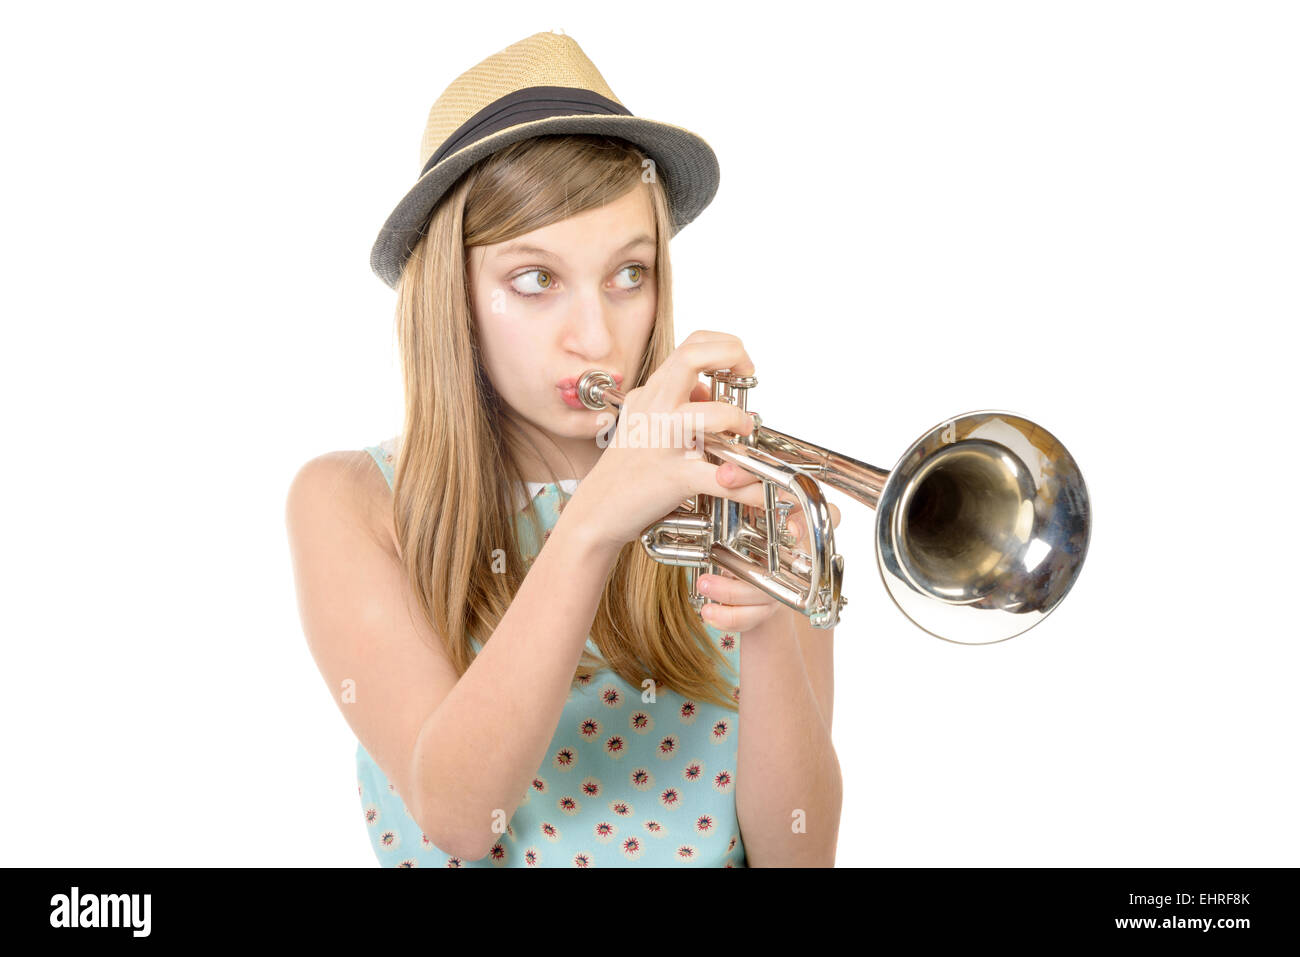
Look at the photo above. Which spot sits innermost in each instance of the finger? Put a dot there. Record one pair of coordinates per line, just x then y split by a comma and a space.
739, 618
678, 373
706, 335
702, 479
733, 476
795, 526
715, 415
731, 590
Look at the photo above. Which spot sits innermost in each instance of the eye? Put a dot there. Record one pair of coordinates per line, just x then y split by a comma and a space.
542, 283
638, 272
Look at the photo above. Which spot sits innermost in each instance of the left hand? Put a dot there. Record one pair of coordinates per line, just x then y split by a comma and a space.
736, 605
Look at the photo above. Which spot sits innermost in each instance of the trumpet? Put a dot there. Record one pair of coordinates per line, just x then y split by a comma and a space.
981, 526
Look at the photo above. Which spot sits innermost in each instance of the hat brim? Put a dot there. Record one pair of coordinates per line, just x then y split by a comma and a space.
689, 167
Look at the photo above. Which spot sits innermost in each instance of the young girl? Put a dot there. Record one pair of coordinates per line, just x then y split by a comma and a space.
527, 686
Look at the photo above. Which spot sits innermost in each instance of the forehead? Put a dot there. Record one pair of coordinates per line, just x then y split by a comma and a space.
592, 235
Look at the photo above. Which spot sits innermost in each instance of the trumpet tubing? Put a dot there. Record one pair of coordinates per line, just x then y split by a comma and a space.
981, 527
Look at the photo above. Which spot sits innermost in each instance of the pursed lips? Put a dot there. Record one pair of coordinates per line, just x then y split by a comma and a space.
571, 384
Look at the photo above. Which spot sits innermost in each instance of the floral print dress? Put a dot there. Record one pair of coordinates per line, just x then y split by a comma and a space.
625, 781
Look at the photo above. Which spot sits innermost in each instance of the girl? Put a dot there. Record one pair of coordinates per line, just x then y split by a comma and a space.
527, 686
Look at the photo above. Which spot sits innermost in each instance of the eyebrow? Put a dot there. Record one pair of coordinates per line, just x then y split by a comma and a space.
513, 248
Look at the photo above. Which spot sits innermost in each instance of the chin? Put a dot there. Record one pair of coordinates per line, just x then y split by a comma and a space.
565, 423
574, 428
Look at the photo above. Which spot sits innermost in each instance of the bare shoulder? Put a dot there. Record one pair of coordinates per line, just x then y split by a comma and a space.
349, 483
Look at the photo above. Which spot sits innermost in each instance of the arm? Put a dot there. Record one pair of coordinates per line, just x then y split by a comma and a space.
478, 752
787, 762
816, 645
456, 751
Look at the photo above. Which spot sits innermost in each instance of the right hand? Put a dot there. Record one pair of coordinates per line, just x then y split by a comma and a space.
631, 487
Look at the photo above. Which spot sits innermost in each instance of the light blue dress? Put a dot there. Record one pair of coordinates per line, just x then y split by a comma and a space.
625, 781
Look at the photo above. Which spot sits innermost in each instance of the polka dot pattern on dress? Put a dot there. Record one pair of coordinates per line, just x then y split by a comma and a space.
625, 781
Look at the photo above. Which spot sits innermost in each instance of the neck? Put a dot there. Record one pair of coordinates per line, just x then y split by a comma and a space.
567, 458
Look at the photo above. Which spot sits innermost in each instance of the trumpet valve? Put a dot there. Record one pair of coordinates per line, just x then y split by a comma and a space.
729, 387
801, 564
783, 534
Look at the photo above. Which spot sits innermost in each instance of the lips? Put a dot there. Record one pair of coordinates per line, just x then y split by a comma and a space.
565, 385
568, 389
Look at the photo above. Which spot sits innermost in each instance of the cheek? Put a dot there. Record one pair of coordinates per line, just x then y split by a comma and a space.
640, 331
489, 305
509, 344
493, 336
494, 315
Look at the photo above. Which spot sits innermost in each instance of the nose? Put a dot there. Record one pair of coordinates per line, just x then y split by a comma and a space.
587, 332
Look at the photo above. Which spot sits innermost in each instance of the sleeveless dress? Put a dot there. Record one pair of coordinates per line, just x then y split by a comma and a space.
625, 781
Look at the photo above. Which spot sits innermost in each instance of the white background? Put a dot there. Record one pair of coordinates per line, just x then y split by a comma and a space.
1085, 213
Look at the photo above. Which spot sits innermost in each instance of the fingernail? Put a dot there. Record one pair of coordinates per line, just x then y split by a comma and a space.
703, 587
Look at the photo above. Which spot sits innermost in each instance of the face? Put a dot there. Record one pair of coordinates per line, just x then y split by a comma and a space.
551, 304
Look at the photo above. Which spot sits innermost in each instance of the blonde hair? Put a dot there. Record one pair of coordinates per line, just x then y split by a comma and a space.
457, 474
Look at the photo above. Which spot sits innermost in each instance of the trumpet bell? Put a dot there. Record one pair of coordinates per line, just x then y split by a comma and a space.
982, 527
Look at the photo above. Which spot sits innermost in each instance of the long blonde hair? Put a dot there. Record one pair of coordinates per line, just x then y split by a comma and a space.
457, 473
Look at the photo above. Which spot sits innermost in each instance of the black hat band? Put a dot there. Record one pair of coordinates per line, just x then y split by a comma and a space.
523, 106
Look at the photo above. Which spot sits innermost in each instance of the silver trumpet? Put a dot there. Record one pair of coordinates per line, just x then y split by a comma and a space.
981, 526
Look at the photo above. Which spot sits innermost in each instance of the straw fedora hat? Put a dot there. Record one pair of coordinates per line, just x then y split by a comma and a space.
541, 85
